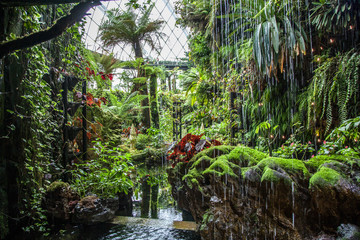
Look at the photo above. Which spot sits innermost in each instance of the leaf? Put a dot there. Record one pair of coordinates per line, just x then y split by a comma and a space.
275, 35
257, 45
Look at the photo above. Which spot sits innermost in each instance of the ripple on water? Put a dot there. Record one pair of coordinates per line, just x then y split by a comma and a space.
134, 232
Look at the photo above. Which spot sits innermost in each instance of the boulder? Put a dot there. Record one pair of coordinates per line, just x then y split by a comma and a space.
91, 210
348, 232
242, 193
60, 201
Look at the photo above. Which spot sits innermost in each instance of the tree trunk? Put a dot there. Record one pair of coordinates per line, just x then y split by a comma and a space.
76, 14
153, 100
154, 200
145, 198
169, 83
20, 3
142, 87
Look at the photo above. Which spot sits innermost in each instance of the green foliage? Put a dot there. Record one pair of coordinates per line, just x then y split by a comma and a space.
193, 13
334, 86
295, 148
347, 135
142, 141
126, 27
268, 132
200, 52
105, 176
333, 15
120, 113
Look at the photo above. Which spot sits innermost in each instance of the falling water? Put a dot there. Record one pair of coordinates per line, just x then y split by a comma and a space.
293, 203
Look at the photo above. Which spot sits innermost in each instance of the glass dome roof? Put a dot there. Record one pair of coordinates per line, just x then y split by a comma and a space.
173, 44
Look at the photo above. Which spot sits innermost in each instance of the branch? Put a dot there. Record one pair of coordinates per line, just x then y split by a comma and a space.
21, 3
76, 14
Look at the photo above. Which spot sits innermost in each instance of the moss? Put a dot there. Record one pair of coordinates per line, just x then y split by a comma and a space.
206, 218
141, 156
269, 175
293, 166
244, 170
56, 185
246, 156
213, 152
314, 163
204, 158
325, 176
221, 166
192, 177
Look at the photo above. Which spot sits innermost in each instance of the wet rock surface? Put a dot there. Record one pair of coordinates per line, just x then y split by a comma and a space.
244, 194
92, 209
60, 201
348, 232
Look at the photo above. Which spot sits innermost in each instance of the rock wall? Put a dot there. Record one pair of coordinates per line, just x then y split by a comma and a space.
241, 193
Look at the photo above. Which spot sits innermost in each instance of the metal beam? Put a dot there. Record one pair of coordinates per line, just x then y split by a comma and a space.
76, 14
22, 3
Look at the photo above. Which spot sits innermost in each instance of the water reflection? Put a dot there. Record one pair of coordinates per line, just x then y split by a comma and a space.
135, 232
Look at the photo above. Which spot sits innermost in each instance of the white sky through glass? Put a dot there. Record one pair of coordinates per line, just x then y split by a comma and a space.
172, 47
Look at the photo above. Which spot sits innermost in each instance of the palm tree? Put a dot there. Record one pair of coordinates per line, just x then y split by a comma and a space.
129, 29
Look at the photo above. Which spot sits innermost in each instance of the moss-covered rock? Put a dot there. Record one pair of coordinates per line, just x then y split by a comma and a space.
213, 152
314, 163
252, 188
221, 166
149, 156
292, 166
60, 200
269, 175
325, 176
246, 156
57, 185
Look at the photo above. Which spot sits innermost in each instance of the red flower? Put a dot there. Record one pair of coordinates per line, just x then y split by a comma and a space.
110, 76
104, 100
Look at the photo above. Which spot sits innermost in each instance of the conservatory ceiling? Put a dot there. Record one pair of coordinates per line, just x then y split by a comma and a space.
173, 44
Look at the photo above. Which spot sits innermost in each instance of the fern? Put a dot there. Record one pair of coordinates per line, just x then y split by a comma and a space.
335, 83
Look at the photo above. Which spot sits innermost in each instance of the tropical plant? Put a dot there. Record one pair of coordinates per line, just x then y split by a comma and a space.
125, 110
193, 13
127, 28
275, 36
333, 87
188, 147
269, 132
347, 135
105, 176
334, 15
